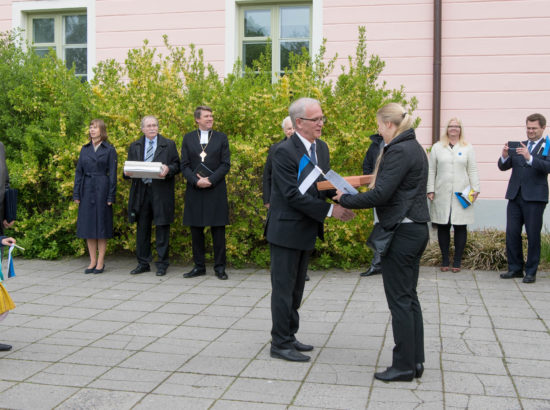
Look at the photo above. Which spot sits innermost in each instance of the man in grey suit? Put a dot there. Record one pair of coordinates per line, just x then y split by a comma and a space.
295, 219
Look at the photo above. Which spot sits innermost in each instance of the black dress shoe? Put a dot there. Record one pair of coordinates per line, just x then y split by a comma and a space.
529, 279
302, 347
510, 275
292, 355
140, 269
373, 270
99, 270
4, 348
419, 370
395, 375
307, 277
193, 273
221, 275
89, 270
161, 272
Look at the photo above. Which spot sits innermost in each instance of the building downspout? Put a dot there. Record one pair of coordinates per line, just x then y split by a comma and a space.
436, 93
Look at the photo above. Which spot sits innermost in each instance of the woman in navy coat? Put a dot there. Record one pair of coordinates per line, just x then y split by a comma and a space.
95, 191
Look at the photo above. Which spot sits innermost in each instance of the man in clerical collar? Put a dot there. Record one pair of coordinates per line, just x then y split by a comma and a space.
205, 161
152, 200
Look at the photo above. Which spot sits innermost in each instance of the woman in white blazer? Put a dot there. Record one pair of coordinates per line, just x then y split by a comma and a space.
452, 168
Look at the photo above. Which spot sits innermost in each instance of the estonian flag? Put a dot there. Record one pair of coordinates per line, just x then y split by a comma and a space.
546, 146
466, 197
307, 174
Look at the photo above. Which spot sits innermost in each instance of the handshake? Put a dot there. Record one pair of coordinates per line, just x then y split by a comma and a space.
341, 213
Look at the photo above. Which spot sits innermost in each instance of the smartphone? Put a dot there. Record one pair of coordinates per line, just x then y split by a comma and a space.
512, 145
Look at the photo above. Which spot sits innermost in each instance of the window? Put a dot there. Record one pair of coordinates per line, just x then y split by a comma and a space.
66, 34
287, 27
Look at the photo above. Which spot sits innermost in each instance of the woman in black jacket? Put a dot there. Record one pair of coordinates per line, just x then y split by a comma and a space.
399, 195
95, 191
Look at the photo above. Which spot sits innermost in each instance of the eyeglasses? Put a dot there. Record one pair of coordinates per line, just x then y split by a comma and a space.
454, 126
319, 120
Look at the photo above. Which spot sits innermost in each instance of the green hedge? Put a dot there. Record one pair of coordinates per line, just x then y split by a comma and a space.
47, 119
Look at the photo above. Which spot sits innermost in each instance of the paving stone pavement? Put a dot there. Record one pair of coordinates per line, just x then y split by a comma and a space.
121, 341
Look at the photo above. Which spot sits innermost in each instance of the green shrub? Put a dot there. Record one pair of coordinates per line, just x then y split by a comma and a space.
44, 110
248, 107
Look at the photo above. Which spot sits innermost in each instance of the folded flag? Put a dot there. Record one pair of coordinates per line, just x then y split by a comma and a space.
307, 174
466, 197
11, 270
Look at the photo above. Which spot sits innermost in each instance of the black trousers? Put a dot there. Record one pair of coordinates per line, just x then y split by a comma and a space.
400, 267
444, 240
218, 242
518, 213
162, 233
288, 277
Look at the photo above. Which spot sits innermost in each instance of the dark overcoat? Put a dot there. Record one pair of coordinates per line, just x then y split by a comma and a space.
205, 206
268, 169
4, 183
163, 189
94, 186
295, 220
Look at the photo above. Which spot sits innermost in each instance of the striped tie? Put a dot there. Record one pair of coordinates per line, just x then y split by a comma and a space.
313, 155
149, 158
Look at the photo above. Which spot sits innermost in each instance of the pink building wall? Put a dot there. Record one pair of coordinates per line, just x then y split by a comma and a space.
495, 62
120, 27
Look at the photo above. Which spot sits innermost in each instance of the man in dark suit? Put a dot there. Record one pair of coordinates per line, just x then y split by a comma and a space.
527, 196
377, 143
295, 219
152, 201
205, 161
288, 130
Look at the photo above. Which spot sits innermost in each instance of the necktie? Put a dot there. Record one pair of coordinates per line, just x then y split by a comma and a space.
313, 155
530, 146
148, 158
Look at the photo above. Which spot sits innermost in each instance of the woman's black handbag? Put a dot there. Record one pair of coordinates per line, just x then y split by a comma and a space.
380, 239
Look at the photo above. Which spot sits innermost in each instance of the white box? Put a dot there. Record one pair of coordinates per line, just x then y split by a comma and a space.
142, 169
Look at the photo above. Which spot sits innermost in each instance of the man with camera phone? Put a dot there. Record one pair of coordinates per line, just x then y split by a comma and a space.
527, 196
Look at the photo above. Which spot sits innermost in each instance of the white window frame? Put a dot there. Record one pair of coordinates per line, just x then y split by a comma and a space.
21, 10
232, 25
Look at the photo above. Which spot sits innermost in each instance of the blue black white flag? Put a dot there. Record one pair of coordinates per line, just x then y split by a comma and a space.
546, 145
307, 174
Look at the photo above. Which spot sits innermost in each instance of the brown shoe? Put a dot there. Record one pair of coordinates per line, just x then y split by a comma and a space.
455, 270
444, 269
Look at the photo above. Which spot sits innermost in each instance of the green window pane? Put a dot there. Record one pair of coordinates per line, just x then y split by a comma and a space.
251, 52
257, 23
43, 30
288, 47
295, 22
79, 57
75, 29
43, 51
